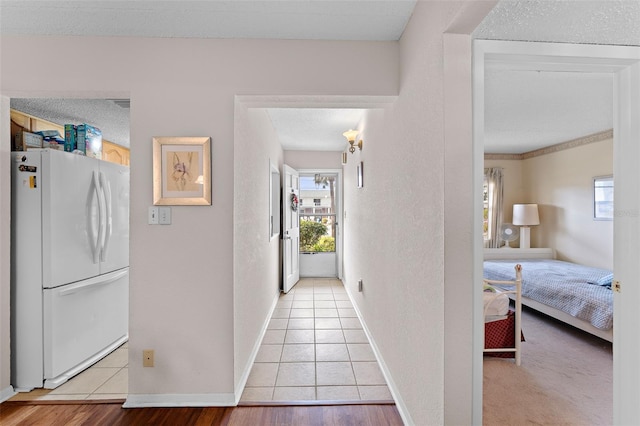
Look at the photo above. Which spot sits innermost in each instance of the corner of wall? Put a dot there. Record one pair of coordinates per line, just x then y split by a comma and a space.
5, 247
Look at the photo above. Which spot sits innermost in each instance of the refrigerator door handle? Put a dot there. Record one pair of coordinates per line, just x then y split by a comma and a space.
93, 239
99, 195
108, 218
99, 280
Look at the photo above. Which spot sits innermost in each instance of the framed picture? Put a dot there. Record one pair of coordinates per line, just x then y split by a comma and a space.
182, 171
360, 170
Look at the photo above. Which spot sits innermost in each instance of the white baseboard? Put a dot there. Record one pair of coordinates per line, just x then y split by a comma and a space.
180, 400
400, 405
239, 388
7, 393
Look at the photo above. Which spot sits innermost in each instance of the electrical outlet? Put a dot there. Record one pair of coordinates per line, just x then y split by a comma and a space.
147, 357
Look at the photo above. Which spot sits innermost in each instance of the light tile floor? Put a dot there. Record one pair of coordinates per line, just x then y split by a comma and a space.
315, 349
107, 379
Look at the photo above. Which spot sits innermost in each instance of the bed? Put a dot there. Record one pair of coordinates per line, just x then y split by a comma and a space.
503, 330
575, 294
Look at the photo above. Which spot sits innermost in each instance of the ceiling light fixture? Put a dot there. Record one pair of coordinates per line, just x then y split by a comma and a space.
351, 138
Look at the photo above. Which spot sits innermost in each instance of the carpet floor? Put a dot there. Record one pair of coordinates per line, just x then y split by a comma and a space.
566, 378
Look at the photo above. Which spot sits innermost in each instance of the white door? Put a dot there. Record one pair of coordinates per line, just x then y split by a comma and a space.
83, 319
70, 218
114, 184
290, 228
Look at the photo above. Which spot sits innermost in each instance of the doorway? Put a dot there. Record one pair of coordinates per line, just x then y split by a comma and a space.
624, 64
101, 375
319, 213
257, 283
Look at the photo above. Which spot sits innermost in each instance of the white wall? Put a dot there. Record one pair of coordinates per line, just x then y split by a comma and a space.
562, 185
182, 279
5, 250
182, 295
256, 253
394, 229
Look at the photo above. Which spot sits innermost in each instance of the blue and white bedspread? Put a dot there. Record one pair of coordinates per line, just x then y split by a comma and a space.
580, 291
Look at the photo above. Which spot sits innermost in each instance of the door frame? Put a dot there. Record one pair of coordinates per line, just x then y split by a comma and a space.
5, 208
339, 215
624, 63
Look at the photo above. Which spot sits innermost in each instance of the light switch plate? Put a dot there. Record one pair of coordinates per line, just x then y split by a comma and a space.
165, 216
153, 216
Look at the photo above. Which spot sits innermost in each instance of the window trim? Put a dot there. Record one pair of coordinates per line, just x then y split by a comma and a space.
597, 214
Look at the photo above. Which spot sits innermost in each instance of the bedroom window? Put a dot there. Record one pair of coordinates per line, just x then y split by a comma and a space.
603, 198
485, 209
493, 200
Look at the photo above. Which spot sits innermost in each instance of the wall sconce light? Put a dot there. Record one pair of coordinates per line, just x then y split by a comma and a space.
351, 138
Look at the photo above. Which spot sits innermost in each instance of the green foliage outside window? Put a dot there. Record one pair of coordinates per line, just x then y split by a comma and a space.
325, 244
313, 237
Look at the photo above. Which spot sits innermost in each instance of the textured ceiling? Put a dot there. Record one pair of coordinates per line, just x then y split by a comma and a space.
300, 19
110, 118
574, 21
293, 127
527, 110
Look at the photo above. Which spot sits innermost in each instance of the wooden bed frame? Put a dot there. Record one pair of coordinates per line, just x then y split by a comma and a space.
545, 253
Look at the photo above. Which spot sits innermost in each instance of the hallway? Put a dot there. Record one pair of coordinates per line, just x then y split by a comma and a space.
315, 349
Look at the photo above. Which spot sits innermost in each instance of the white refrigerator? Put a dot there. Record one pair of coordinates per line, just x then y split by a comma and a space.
69, 264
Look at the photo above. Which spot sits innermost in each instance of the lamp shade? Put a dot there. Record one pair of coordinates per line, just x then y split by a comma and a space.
350, 135
525, 214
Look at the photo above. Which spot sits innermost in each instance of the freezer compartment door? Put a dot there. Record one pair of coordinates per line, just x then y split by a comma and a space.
83, 319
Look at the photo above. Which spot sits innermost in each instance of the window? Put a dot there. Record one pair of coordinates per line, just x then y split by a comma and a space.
492, 197
318, 223
603, 198
485, 209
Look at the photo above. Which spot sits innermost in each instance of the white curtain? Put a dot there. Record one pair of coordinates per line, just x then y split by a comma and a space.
495, 197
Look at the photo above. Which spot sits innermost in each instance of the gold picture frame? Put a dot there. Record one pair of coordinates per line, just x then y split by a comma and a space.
182, 171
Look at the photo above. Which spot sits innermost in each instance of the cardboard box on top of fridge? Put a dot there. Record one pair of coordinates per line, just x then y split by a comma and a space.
89, 140
25, 140
51, 139
53, 144
70, 135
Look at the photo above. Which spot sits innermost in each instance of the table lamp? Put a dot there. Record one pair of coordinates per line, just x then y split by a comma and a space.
525, 215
